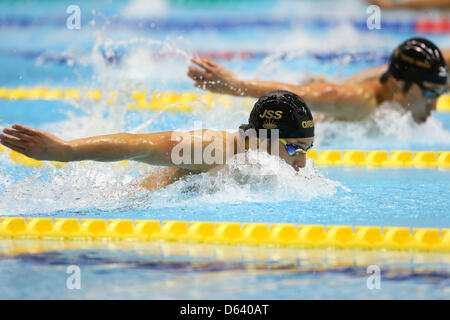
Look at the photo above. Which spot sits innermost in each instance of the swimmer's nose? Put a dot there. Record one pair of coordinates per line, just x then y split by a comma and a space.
298, 165
431, 106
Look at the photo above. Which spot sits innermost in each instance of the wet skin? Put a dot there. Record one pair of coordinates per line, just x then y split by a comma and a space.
352, 100
298, 160
419, 105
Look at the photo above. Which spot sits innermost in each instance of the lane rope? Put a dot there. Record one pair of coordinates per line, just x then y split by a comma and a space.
116, 56
153, 101
439, 25
169, 101
229, 233
352, 158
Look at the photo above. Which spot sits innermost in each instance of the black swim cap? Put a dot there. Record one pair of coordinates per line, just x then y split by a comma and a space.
418, 60
285, 111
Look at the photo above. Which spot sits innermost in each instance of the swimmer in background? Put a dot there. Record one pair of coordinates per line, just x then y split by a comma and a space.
411, 4
416, 77
376, 72
282, 116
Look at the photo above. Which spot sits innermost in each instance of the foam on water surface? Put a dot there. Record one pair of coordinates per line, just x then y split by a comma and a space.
103, 187
115, 187
141, 68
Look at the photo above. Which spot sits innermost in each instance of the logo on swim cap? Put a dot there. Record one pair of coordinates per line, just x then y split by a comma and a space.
269, 124
285, 111
269, 114
307, 124
443, 72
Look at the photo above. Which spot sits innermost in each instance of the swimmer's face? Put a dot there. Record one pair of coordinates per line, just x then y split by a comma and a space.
298, 160
421, 105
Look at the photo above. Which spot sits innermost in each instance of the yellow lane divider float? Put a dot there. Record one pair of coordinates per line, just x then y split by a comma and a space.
229, 233
443, 103
417, 159
155, 101
182, 102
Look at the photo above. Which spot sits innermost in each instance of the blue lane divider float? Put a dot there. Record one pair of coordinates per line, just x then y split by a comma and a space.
421, 25
117, 56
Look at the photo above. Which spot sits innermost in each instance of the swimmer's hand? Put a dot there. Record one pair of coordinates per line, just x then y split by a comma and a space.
34, 143
215, 77
411, 4
386, 4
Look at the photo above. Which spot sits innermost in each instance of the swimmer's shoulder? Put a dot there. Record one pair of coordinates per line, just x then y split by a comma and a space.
363, 102
371, 74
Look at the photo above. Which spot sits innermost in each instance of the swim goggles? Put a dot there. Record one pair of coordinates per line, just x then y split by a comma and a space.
293, 148
429, 93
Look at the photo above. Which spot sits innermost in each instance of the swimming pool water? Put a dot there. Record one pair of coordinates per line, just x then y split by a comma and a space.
377, 197
174, 271
118, 48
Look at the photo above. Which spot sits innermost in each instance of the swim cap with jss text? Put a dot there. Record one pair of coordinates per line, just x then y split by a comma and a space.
285, 111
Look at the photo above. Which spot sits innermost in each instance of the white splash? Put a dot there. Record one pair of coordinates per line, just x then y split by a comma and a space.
110, 187
268, 179
72, 187
389, 127
138, 9
264, 179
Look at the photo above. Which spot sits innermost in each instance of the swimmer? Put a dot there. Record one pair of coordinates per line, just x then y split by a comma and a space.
411, 4
376, 72
416, 77
280, 112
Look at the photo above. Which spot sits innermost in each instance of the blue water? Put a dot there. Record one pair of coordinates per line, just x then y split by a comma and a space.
377, 197
123, 50
172, 271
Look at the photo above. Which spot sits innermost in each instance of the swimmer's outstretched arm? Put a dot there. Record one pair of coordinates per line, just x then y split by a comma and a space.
334, 99
153, 148
411, 4
42, 145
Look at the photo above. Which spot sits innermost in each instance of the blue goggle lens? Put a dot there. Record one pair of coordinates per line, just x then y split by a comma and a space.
292, 148
429, 93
